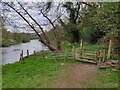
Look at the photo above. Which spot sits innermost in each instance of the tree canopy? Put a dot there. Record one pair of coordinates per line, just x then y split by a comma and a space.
91, 21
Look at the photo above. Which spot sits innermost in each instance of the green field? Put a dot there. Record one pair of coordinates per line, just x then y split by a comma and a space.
36, 72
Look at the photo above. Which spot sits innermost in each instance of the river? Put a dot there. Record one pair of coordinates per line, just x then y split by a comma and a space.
12, 54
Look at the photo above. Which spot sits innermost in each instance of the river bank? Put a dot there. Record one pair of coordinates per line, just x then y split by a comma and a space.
12, 54
37, 72
51, 70
12, 38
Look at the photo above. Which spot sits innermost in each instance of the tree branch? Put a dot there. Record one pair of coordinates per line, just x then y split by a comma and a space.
79, 3
88, 4
50, 23
35, 22
26, 22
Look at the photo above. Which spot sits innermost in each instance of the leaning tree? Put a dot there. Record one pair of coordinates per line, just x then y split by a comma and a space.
41, 8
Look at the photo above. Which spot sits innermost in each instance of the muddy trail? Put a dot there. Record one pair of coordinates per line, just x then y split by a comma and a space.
76, 76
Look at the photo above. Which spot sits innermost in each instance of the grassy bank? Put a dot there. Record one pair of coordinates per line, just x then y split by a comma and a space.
37, 72
33, 71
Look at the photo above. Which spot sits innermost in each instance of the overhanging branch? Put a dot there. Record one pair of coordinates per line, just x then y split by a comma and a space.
35, 22
26, 21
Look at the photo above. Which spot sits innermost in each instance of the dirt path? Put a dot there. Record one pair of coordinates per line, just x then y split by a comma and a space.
76, 76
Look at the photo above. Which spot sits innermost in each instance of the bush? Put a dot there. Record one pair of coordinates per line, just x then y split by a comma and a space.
115, 43
9, 38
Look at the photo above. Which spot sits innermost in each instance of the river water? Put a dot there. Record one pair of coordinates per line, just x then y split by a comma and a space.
12, 54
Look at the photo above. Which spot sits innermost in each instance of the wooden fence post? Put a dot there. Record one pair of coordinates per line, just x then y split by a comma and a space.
104, 55
97, 54
81, 44
27, 52
80, 53
76, 53
73, 52
21, 55
34, 51
43, 54
109, 50
65, 55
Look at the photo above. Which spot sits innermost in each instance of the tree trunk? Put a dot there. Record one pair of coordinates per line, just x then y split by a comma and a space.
75, 35
46, 42
53, 48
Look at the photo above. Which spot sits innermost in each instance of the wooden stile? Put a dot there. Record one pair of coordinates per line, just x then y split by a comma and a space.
109, 50
104, 54
80, 53
81, 44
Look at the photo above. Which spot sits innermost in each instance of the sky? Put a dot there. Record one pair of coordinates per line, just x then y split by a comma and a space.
20, 22
13, 16
64, 0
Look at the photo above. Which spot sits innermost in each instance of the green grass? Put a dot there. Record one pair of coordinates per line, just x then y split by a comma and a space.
37, 72
32, 72
106, 78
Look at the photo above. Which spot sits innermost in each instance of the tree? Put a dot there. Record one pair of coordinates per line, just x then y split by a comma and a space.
107, 18
71, 27
90, 30
75, 11
22, 12
2, 22
102, 24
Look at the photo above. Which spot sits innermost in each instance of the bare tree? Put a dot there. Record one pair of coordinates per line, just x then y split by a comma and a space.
45, 41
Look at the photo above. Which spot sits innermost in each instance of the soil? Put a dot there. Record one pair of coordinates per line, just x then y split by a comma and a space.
76, 76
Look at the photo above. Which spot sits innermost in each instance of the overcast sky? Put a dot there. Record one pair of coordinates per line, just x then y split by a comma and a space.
15, 19
13, 16
64, 0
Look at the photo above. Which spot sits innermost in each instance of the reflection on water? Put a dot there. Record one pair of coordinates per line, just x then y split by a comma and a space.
12, 54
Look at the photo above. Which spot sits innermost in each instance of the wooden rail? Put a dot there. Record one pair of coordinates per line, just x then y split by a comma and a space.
94, 57
88, 59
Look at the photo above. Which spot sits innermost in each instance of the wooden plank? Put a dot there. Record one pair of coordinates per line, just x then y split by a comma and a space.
88, 51
103, 67
87, 58
88, 61
92, 54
